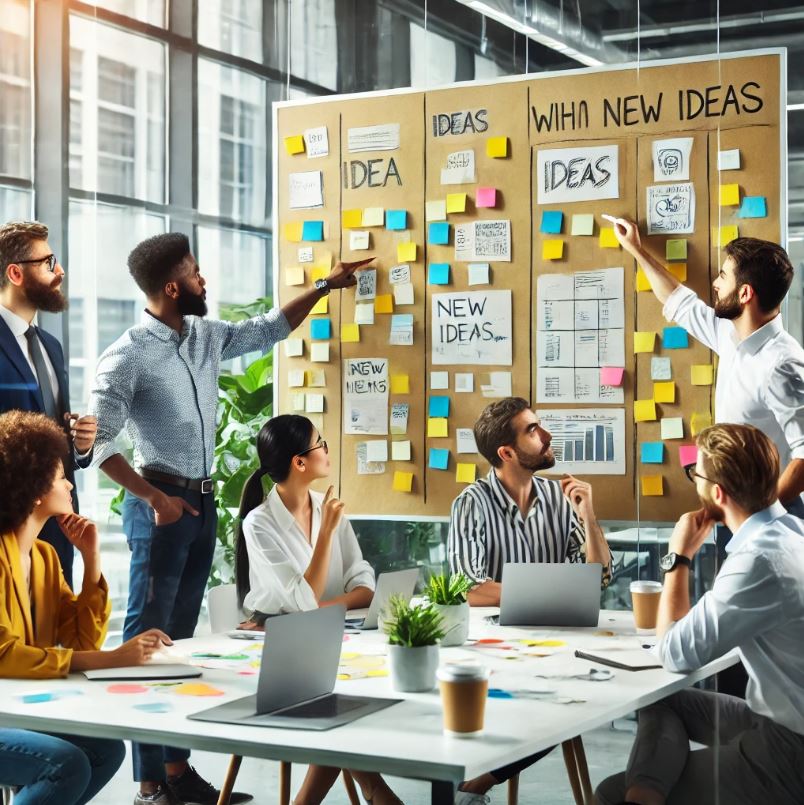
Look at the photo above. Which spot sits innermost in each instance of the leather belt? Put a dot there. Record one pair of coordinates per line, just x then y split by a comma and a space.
203, 485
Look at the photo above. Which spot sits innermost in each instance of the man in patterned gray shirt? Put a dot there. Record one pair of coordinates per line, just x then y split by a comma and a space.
159, 380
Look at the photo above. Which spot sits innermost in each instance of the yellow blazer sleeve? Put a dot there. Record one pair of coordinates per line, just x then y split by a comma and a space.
83, 620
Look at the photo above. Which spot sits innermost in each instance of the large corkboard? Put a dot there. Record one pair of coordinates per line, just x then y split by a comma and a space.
731, 103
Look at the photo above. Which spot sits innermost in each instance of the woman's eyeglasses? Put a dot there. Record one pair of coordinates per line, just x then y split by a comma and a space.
51, 261
319, 443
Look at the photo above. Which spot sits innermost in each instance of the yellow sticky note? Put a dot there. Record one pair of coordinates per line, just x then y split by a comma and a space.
466, 473
350, 333
294, 144
644, 410
644, 341
319, 273
406, 252
497, 147
456, 202
678, 270
608, 240
664, 392
725, 234
321, 306
700, 421
352, 219
400, 384
403, 481
729, 195
552, 249
294, 276
702, 374
652, 486
437, 427
642, 283
384, 303
293, 231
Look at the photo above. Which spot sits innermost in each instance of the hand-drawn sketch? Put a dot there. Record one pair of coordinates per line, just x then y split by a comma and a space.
671, 209
671, 159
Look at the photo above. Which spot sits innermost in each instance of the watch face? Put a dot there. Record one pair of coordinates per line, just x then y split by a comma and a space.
668, 562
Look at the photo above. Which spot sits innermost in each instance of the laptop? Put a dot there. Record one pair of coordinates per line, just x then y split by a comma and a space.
550, 594
300, 659
398, 582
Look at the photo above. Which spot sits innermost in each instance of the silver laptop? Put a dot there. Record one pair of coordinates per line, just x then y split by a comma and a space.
300, 658
398, 582
550, 594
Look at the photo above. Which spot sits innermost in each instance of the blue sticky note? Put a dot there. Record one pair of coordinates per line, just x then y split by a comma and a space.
439, 406
313, 230
400, 320
439, 458
439, 233
551, 222
320, 329
438, 274
652, 452
396, 219
754, 207
675, 338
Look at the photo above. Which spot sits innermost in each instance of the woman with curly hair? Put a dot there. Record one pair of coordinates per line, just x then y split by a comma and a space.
46, 631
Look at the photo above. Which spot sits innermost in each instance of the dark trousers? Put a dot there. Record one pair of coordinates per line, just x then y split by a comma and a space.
52, 534
168, 576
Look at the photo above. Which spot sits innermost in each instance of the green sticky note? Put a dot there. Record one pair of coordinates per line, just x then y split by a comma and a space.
676, 249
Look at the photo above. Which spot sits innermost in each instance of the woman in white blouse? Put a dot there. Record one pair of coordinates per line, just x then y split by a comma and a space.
296, 551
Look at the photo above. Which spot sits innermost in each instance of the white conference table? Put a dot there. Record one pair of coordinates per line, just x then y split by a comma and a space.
405, 740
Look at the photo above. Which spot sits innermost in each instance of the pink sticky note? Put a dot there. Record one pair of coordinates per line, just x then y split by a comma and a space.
687, 454
486, 197
611, 376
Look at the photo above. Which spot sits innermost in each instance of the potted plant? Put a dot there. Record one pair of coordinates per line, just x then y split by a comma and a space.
447, 594
413, 634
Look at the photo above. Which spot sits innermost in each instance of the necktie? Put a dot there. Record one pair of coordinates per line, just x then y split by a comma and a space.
42, 373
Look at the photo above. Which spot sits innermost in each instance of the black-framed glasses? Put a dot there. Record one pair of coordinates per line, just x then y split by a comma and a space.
51, 261
689, 471
319, 443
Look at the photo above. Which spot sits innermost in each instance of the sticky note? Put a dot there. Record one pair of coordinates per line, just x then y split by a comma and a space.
729, 195
364, 313
497, 147
297, 402
384, 303
305, 254
644, 410
724, 234
642, 283
437, 428
296, 378
403, 481
403, 293
314, 403
400, 384
352, 219
754, 207
396, 219
660, 369
552, 249
350, 333
687, 454
406, 252
359, 239
611, 375
456, 202
438, 233
728, 160
377, 450
438, 274
464, 382
478, 274
439, 380
321, 306
664, 392
320, 329
675, 249
439, 406
652, 452
313, 230
678, 270
293, 231
644, 341
608, 240
294, 275
675, 338
400, 451
319, 273
699, 421
485, 197
583, 224
315, 378
652, 486
294, 144
672, 427
552, 221
439, 458
373, 216
294, 347
465, 473
319, 353
702, 374
435, 210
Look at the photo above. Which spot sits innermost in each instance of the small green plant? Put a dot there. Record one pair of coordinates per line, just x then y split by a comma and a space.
448, 590
412, 626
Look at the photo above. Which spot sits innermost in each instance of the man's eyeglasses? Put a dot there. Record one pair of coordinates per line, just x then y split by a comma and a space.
51, 261
689, 471
319, 443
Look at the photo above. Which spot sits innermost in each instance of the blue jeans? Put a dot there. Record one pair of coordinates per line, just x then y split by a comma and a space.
57, 769
167, 578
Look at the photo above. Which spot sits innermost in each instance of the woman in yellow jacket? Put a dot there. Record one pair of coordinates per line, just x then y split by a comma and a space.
45, 630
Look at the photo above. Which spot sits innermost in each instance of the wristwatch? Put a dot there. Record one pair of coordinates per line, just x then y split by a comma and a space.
323, 286
673, 560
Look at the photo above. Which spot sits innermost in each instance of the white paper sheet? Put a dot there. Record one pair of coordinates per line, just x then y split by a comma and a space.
465, 441
499, 385
460, 168
365, 396
316, 142
364, 466
577, 174
305, 190
671, 209
671, 159
399, 274
399, 418
384, 137
366, 287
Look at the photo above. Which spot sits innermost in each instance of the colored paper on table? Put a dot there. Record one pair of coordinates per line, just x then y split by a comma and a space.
294, 275
687, 454
439, 458
497, 147
406, 252
552, 221
293, 231
552, 249
611, 375
642, 282
672, 427
438, 274
583, 224
675, 249
320, 329
478, 273
729, 195
374, 216
384, 303
396, 219
644, 341
400, 451
486, 197
321, 306
652, 452
403, 293
294, 144
465, 473
661, 369
675, 338
294, 347
608, 240
438, 234
678, 270
400, 384
644, 411
652, 486
319, 353
313, 230
664, 392
350, 333
439, 406
456, 202
403, 481
439, 380
435, 210
702, 374
126, 688
437, 428
725, 234
728, 160
197, 689
754, 207
699, 421
352, 219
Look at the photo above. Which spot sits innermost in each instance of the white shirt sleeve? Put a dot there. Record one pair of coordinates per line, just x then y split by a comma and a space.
784, 396
689, 311
357, 572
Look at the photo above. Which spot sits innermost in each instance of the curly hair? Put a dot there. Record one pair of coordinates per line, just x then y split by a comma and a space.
493, 428
31, 448
16, 238
153, 262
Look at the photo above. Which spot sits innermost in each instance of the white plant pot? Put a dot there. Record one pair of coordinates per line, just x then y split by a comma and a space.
456, 623
413, 669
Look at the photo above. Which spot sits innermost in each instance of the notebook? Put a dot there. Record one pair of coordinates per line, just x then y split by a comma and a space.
153, 671
626, 659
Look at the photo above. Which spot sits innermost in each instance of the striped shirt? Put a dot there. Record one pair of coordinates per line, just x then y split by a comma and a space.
487, 530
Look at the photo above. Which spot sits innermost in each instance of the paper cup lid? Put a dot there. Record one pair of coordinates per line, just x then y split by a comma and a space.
462, 672
646, 586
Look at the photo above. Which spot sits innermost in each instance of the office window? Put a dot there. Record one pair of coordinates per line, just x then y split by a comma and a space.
432, 58
314, 42
115, 316
232, 26
487, 68
15, 204
15, 90
150, 11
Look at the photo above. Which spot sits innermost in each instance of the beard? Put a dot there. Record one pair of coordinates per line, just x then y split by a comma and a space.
728, 307
534, 463
191, 304
711, 509
45, 296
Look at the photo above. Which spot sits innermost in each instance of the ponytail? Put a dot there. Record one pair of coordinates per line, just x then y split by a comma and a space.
252, 496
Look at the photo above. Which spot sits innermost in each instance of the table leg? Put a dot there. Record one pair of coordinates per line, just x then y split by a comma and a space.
231, 776
572, 771
442, 792
284, 782
583, 769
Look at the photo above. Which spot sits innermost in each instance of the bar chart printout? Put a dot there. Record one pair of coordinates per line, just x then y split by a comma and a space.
586, 441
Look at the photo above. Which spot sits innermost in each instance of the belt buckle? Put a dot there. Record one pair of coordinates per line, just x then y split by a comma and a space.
207, 487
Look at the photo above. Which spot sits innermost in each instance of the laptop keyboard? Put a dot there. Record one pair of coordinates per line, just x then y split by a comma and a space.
325, 707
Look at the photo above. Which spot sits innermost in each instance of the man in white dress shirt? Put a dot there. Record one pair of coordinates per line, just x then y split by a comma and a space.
754, 749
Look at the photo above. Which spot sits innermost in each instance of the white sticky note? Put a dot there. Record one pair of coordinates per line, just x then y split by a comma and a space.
364, 313
297, 402
314, 403
296, 378
672, 427
294, 347
397, 275
729, 160
464, 382
478, 273
499, 385
403, 293
377, 450
399, 418
366, 287
319, 351
316, 142
306, 254
374, 216
465, 440
358, 239
439, 380
400, 451
661, 369
435, 210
